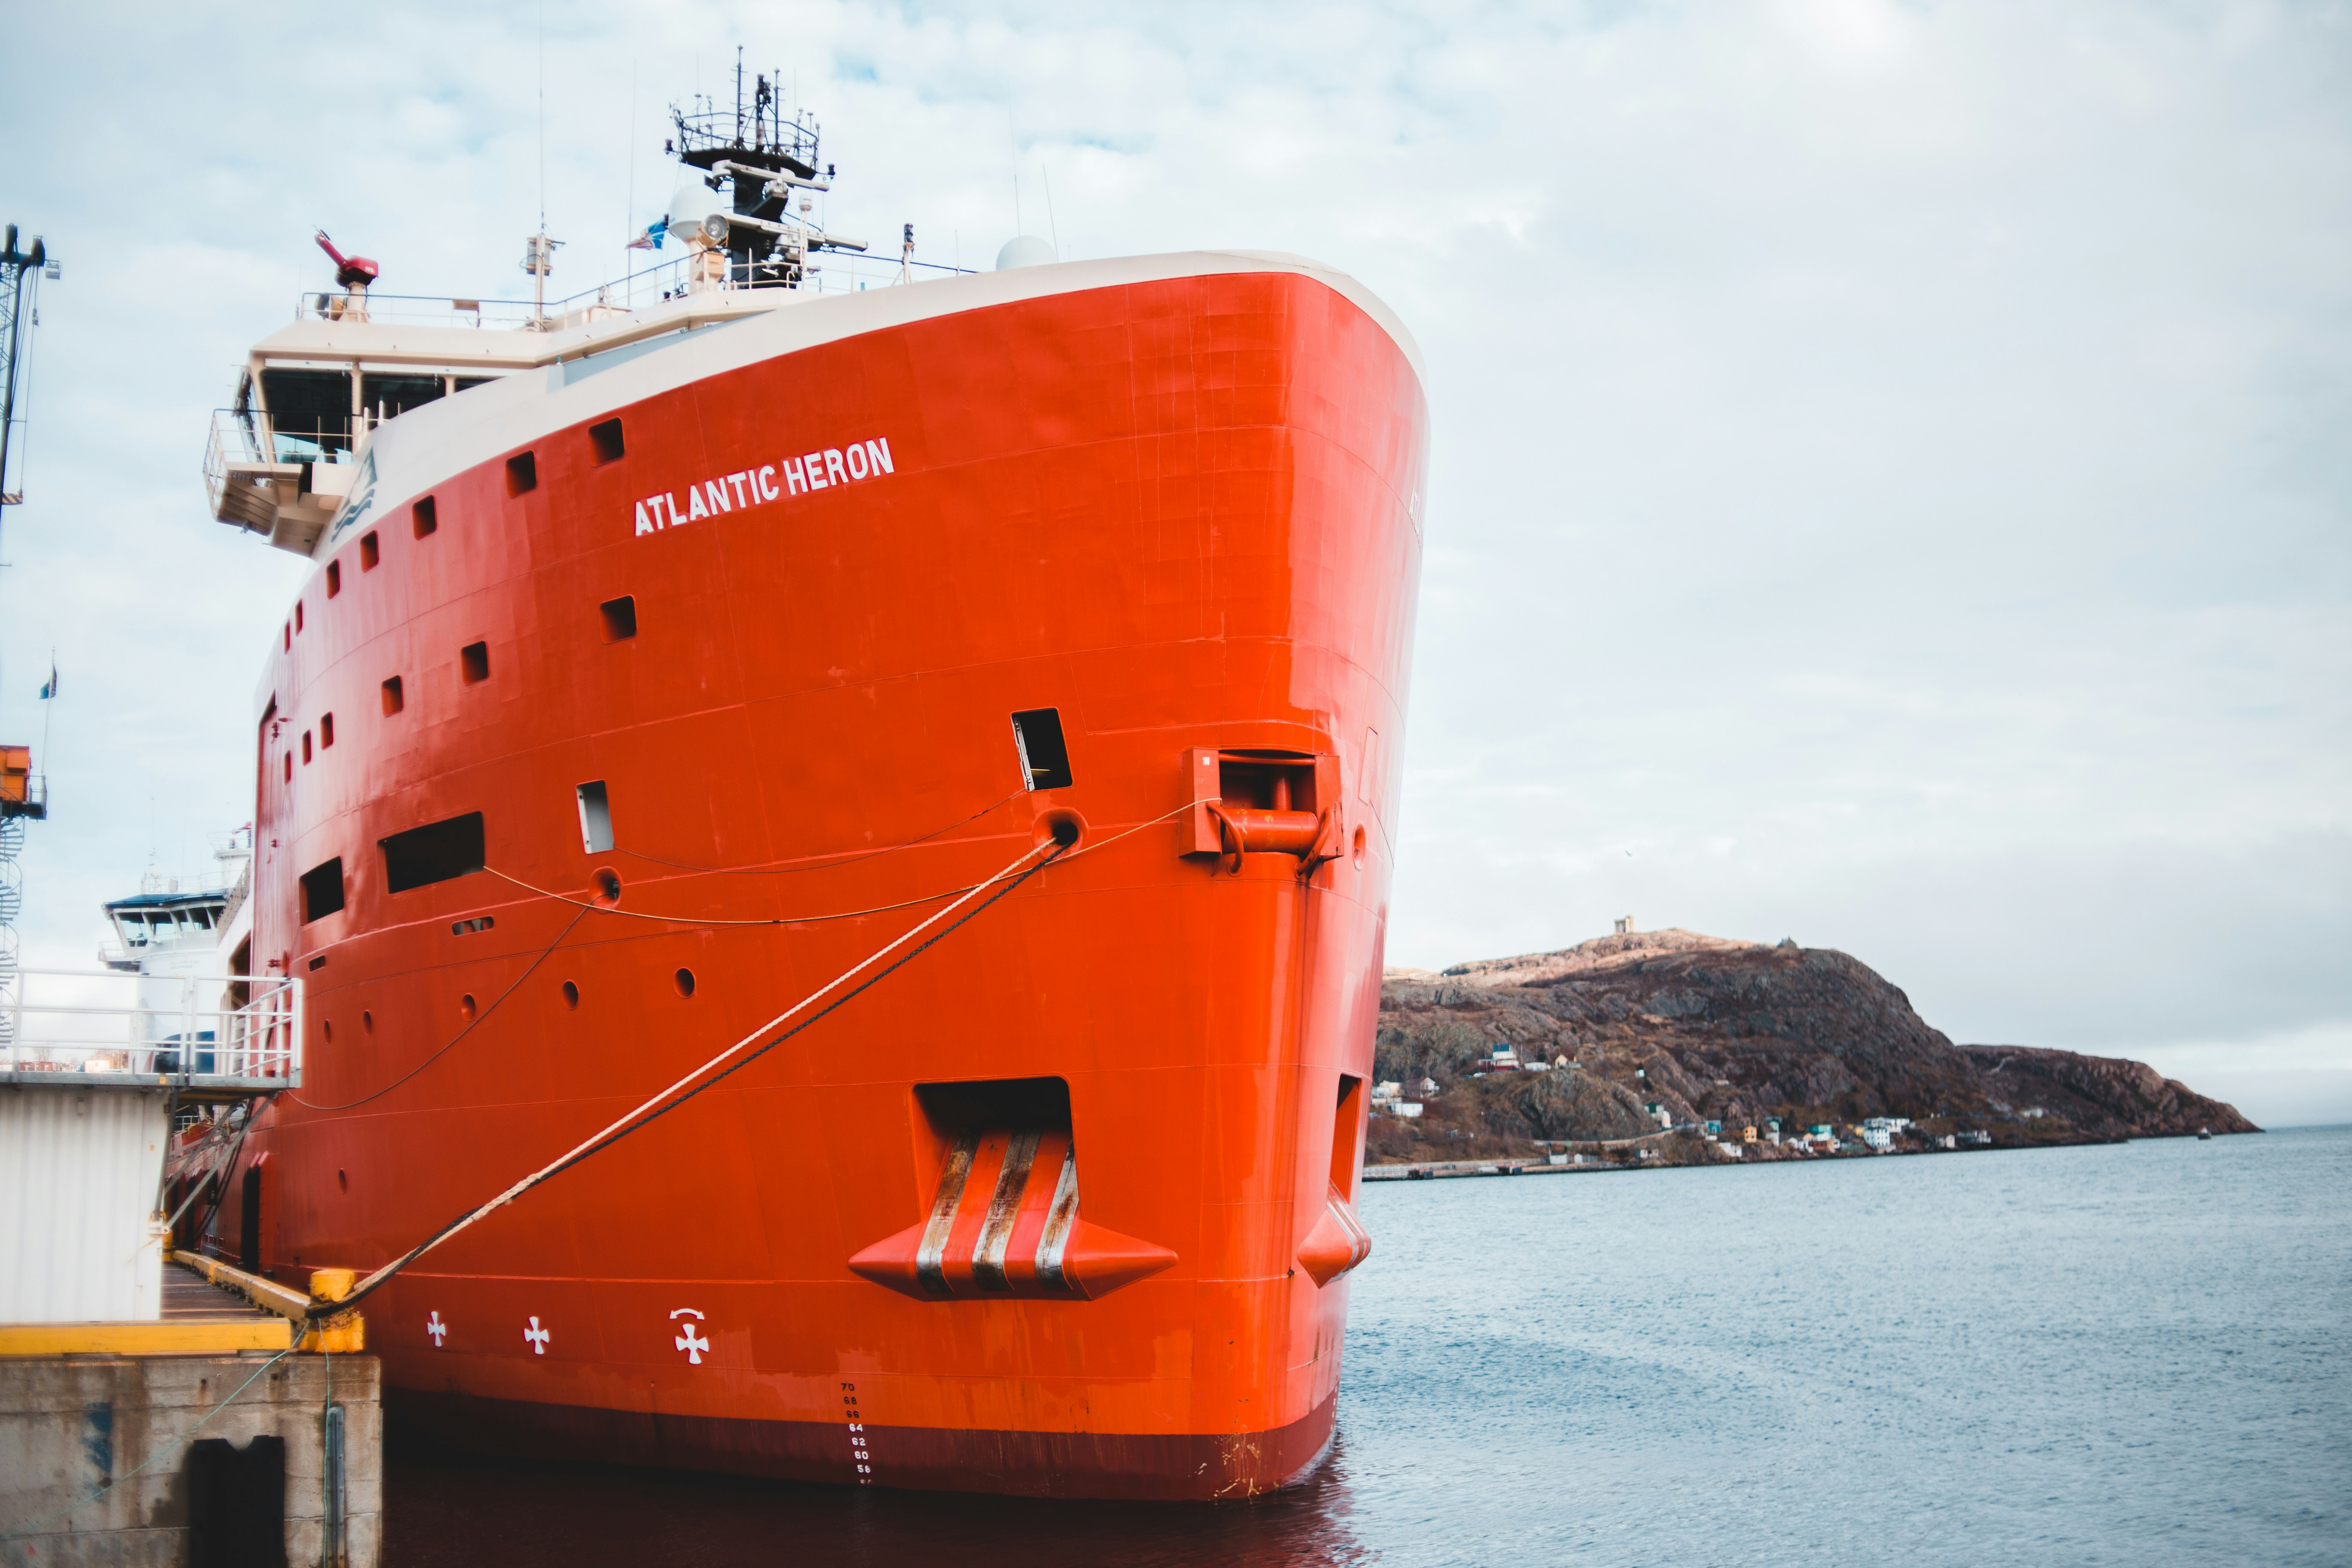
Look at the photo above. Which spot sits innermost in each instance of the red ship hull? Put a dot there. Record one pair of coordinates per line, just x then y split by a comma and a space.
1178, 511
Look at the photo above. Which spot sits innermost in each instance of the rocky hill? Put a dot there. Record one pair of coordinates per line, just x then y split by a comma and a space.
1735, 1032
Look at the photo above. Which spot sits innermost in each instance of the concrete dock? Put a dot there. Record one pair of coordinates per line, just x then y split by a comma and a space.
196, 1438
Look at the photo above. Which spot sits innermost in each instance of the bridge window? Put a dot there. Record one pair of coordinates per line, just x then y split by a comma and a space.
310, 413
389, 396
438, 852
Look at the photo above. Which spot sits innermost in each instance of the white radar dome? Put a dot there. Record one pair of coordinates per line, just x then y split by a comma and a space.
694, 203
1027, 250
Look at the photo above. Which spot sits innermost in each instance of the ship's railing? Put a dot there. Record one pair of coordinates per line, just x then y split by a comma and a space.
200, 1031
828, 272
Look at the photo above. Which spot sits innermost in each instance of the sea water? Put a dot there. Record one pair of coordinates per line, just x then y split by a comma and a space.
2130, 1354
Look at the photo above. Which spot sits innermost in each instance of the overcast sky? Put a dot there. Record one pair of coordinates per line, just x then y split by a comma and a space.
1891, 473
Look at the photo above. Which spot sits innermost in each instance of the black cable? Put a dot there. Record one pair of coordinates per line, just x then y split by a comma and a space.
471, 1024
332, 1309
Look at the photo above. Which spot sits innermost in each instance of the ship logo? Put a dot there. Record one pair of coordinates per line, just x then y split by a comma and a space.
361, 497
803, 474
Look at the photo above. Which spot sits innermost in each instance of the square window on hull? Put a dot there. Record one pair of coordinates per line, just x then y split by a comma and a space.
620, 617
322, 890
606, 440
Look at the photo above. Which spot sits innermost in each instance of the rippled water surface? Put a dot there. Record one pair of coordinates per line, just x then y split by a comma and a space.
2132, 1354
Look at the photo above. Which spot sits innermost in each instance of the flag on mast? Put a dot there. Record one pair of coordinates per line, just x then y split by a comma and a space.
50, 688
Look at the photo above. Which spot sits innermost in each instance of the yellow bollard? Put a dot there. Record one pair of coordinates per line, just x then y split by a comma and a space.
345, 1333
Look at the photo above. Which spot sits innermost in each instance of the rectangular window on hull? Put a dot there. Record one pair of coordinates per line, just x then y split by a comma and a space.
595, 817
421, 517
322, 890
438, 852
522, 473
474, 662
393, 701
620, 617
1037, 741
368, 555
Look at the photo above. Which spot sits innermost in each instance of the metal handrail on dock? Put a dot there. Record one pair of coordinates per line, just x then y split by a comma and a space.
61, 1021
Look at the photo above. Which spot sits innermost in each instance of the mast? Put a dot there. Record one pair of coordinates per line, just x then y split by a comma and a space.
20, 274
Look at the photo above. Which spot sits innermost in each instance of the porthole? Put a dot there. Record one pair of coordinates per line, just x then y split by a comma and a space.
367, 1022
570, 995
465, 1006
685, 982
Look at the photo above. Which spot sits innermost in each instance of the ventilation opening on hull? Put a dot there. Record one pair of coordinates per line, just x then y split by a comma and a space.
1000, 1170
1038, 742
438, 852
595, 817
322, 890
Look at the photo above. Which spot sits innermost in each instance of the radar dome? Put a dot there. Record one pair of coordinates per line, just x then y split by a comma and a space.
693, 203
1027, 250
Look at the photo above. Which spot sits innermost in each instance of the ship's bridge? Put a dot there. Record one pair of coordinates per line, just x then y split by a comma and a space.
283, 457
287, 452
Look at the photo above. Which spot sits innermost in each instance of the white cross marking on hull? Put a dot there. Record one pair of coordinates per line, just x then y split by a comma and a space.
538, 1338
692, 1347
436, 1328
